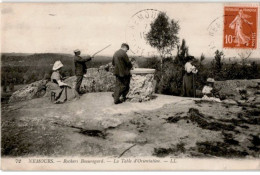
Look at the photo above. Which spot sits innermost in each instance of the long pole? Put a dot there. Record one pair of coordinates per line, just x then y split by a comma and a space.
101, 50
194, 91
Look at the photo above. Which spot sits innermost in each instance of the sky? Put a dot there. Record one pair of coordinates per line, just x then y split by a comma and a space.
64, 27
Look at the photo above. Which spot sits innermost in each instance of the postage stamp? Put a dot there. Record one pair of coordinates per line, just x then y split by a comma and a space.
240, 27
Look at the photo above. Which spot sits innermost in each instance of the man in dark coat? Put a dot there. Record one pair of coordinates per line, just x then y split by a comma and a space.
80, 68
122, 67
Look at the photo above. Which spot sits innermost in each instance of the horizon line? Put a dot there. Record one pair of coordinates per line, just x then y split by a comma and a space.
100, 55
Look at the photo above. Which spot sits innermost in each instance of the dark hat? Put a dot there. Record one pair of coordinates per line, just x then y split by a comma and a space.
189, 58
125, 45
77, 50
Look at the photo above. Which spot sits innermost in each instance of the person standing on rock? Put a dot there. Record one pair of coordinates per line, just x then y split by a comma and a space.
80, 68
188, 78
122, 67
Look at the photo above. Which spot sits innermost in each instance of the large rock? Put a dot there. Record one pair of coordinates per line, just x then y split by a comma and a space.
33, 90
238, 89
96, 80
142, 85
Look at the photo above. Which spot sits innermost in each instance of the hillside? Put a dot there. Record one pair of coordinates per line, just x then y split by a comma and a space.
41, 59
27, 68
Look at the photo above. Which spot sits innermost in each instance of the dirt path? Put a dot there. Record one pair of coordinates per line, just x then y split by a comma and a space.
165, 126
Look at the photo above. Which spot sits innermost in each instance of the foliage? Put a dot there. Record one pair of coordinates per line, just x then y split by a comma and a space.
182, 52
163, 34
169, 81
217, 64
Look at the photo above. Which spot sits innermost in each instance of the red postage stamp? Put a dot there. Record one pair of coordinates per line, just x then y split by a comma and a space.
240, 27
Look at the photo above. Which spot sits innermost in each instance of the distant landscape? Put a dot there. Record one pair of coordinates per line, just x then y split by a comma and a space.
27, 68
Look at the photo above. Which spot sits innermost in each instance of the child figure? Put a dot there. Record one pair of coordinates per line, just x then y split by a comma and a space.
209, 92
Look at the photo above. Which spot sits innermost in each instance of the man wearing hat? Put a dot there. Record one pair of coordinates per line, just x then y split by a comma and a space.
80, 68
122, 67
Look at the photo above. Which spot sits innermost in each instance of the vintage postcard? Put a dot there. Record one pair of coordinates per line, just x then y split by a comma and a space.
130, 86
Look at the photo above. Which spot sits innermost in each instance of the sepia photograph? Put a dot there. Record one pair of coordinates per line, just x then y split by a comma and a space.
130, 86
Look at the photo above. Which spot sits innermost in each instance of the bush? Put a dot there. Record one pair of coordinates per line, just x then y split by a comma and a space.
169, 79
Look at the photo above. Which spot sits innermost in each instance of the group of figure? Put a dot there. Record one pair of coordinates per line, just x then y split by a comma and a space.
63, 92
122, 66
210, 93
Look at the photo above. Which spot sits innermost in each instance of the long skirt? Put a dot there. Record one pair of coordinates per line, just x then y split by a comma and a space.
61, 94
188, 90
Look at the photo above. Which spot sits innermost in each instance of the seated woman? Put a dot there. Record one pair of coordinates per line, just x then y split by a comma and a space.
62, 91
210, 93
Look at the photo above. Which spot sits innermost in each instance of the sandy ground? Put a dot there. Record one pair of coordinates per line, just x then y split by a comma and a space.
164, 126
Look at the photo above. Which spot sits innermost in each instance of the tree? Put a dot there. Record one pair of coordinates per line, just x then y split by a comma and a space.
182, 53
202, 58
163, 34
173, 71
217, 64
218, 57
253, 71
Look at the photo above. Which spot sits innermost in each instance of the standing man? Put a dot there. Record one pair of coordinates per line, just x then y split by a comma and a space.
80, 68
122, 69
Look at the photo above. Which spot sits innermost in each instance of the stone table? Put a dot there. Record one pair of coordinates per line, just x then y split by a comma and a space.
142, 85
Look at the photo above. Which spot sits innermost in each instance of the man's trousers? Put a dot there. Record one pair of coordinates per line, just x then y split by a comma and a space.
78, 83
121, 88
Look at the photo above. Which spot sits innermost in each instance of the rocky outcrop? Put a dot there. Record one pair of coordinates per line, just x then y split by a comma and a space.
33, 90
96, 80
97, 127
239, 90
142, 86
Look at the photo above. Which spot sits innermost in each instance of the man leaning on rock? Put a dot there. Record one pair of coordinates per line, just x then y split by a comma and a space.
122, 67
80, 68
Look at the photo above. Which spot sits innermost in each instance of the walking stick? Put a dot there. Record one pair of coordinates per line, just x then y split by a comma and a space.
66, 97
194, 92
101, 50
